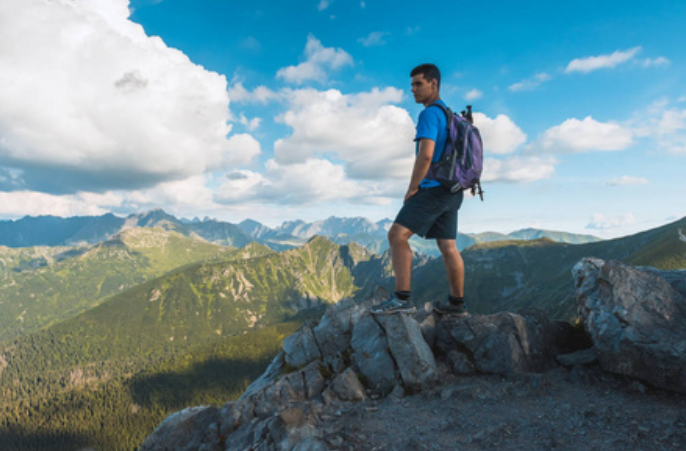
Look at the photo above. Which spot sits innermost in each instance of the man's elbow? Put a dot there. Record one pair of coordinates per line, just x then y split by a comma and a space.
424, 157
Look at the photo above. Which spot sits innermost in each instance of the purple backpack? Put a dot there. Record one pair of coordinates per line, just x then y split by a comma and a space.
461, 164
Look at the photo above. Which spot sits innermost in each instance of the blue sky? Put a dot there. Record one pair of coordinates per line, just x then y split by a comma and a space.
301, 110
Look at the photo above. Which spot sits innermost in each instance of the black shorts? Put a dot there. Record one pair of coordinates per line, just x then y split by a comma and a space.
432, 213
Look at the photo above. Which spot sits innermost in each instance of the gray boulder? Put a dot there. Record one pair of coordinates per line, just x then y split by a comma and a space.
504, 343
411, 353
192, 429
371, 356
345, 387
636, 319
301, 348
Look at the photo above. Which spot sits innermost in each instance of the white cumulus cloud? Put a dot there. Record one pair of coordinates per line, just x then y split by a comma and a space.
530, 83
309, 182
473, 95
250, 124
369, 134
500, 135
318, 60
592, 63
180, 197
17, 204
518, 169
665, 124
89, 101
577, 136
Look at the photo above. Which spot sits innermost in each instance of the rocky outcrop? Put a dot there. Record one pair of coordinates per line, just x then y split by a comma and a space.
636, 319
634, 324
350, 356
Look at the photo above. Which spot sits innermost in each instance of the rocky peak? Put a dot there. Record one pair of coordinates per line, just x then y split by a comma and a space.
350, 358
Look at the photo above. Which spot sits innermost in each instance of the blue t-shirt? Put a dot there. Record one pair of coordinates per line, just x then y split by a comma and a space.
432, 125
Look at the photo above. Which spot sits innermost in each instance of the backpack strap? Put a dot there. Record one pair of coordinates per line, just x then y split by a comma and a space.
446, 110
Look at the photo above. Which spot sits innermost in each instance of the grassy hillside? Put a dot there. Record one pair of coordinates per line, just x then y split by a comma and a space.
42, 286
512, 275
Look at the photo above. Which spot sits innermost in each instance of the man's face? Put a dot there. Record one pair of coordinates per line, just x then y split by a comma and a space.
422, 89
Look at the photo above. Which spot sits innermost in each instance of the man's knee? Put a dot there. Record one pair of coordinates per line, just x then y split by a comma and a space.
447, 247
398, 234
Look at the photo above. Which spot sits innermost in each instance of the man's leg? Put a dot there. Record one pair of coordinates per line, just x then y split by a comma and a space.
454, 266
401, 255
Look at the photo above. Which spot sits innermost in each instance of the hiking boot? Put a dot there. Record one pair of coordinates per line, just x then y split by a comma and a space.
393, 305
449, 308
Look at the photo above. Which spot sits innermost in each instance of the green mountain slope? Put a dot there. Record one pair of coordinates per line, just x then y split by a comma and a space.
94, 365
195, 304
42, 286
512, 275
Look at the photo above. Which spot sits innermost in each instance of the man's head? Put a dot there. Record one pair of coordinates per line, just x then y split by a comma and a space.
426, 82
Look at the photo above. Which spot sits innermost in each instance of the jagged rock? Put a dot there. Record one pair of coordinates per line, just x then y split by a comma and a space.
298, 386
349, 350
192, 429
637, 322
503, 343
371, 356
460, 364
333, 335
427, 323
294, 416
411, 353
273, 371
345, 387
301, 348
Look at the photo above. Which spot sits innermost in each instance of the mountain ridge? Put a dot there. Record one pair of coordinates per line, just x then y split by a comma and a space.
51, 231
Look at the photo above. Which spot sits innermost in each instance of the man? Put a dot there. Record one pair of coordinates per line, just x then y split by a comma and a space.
429, 209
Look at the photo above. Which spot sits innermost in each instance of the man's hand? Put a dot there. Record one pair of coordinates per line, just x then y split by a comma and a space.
410, 192
422, 163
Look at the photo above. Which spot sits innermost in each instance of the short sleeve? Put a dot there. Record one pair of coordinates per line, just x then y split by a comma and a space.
428, 124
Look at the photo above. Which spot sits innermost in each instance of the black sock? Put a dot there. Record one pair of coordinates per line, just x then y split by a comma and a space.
402, 295
455, 300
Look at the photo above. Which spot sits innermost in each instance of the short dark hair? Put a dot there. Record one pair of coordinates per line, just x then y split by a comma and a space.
430, 72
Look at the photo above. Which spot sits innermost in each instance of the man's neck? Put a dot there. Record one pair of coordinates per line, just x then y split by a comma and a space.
431, 100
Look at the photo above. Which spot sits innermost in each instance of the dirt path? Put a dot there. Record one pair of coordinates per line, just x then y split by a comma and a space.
575, 410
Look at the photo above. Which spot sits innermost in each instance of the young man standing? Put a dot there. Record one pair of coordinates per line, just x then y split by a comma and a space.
429, 209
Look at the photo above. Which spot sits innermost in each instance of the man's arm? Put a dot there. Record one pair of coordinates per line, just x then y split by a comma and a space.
421, 166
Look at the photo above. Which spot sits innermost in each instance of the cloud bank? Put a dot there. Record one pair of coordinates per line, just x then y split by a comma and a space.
577, 136
89, 102
372, 137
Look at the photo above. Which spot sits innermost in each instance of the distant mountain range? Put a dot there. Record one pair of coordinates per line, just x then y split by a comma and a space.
54, 231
